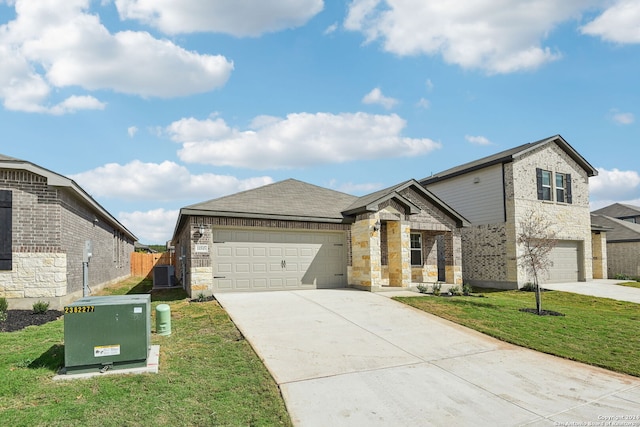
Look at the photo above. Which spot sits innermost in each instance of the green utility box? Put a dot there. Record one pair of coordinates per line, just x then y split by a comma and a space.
110, 332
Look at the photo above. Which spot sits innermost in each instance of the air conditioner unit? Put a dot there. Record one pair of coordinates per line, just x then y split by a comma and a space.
163, 276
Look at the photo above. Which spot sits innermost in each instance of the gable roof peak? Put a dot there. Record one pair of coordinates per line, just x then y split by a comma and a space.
509, 155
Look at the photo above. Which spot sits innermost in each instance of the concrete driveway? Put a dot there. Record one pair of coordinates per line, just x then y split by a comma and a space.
602, 288
352, 358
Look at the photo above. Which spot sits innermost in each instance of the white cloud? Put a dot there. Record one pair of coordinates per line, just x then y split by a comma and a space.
376, 97
477, 140
60, 44
331, 29
423, 103
496, 36
151, 227
615, 185
623, 118
236, 17
132, 131
160, 182
619, 23
299, 140
429, 85
75, 103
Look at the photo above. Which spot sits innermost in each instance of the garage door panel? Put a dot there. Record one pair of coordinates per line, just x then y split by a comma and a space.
565, 263
265, 260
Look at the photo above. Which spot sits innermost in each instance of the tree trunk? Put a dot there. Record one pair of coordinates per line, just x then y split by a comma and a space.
538, 298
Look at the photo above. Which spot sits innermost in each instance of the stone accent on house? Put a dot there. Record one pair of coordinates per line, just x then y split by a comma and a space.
366, 268
398, 245
599, 251
623, 259
40, 275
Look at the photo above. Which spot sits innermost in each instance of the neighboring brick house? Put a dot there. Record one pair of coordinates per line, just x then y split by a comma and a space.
294, 235
45, 221
623, 238
547, 177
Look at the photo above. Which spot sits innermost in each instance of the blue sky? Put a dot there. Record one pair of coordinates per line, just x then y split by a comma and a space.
153, 105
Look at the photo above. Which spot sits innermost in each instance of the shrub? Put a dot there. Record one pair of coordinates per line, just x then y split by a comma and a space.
4, 306
528, 287
466, 289
40, 307
435, 288
422, 289
455, 291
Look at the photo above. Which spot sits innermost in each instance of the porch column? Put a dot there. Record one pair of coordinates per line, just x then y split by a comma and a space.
599, 250
366, 262
453, 257
399, 250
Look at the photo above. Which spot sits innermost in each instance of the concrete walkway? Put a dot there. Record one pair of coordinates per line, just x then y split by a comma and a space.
352, 358
599, 288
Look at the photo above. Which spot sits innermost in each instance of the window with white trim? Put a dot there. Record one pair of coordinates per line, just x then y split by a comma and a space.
416, 249
553, 186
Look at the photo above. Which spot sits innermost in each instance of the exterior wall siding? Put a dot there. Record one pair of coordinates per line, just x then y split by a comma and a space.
476, 195
623, 258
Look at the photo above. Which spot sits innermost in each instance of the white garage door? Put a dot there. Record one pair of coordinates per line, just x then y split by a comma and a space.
565, 263
278, 260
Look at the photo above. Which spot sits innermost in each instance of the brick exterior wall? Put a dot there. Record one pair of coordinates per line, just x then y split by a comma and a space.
623, 258
49, 227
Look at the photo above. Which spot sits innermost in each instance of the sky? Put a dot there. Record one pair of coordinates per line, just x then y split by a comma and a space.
154, 105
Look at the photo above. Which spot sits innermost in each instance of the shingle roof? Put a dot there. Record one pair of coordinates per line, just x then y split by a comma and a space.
621, 231
289, 199
619, 210
508, 156
57, 180
370, 201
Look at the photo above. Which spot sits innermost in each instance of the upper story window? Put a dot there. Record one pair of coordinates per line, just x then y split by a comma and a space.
558, 189
546, 185
416, 249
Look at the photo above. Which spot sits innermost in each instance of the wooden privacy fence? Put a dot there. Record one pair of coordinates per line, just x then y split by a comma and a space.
142, 263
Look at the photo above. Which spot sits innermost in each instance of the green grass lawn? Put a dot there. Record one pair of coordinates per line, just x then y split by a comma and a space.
630, 284
209, 375
597, 331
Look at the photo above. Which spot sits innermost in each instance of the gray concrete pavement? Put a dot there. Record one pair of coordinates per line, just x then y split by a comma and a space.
352, 358
599, 288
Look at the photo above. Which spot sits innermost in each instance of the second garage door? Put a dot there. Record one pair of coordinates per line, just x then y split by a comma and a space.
246, 260
565, 256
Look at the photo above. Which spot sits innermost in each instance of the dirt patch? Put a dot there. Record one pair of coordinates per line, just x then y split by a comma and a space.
20, 319
542, 312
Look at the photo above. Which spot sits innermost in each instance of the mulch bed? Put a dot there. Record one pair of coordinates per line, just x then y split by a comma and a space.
20, 319
542, 312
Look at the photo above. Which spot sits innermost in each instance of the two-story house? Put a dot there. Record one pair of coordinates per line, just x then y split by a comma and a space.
547, 178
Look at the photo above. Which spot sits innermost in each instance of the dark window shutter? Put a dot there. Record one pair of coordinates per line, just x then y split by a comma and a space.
568, 185
5, 229
539, 182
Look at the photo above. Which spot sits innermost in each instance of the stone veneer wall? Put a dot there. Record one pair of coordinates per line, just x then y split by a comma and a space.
599, 250
623, 258
571, 221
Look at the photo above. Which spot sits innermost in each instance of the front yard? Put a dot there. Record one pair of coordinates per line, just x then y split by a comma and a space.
596, 331
209, 375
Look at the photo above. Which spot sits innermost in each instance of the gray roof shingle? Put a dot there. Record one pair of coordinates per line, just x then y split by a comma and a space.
288, 199
508, 156
619, 210
621, 231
